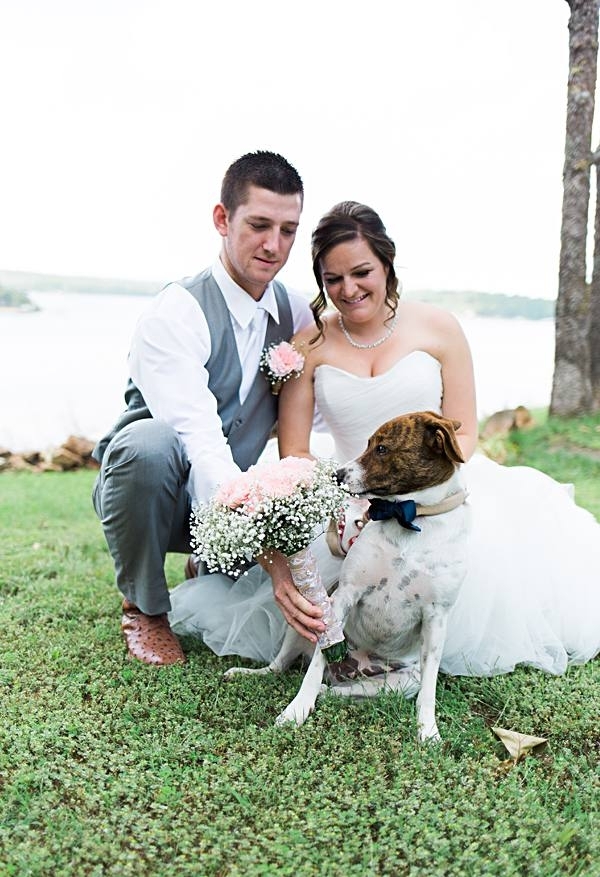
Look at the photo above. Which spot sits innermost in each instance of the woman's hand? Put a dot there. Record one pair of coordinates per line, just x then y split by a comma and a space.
299, 613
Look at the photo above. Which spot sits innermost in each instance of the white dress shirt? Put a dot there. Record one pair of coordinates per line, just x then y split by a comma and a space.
169, 350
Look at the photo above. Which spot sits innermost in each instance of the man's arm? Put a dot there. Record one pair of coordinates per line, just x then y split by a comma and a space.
170, 347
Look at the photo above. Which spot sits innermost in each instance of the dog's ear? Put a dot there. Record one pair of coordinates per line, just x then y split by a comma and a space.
443, 435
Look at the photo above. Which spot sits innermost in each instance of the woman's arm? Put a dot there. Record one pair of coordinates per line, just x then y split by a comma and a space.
299, 612
297, 406
295, 419
458, 380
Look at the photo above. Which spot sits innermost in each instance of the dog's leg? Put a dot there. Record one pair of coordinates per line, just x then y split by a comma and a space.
303, 704
292, 646
433, 635
299, 709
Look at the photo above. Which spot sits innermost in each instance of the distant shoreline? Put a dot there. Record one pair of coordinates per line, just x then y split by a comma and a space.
18, 309
478, 304
27, 281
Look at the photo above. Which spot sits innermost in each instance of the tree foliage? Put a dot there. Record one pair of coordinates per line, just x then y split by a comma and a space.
12, 298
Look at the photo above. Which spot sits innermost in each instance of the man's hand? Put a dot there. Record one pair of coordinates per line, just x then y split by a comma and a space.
299, 613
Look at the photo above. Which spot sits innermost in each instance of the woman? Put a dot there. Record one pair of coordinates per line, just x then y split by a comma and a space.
532, 593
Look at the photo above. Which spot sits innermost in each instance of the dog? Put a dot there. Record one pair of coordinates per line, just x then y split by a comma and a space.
401, 576
508, 420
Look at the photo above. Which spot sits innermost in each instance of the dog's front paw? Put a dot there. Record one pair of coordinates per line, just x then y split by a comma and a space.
429, 735
295, 713
292, 717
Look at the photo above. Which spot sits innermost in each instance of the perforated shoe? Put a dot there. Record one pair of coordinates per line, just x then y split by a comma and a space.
149, 638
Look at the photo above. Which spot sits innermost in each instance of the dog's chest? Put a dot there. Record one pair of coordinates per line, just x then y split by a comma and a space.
391, 574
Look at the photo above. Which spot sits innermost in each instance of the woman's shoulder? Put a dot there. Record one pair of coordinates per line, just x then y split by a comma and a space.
433, 329
426, 313
309, 340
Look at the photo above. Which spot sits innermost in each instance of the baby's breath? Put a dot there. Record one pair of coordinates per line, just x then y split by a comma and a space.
227, 538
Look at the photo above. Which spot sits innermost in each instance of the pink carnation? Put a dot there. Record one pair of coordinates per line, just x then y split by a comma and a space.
283, 479
235, 493
284, 359
266, 481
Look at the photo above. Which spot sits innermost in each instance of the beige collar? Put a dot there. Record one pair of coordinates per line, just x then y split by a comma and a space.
445, 505
341, 536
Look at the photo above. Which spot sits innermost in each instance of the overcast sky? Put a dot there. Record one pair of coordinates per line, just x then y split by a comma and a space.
119, 118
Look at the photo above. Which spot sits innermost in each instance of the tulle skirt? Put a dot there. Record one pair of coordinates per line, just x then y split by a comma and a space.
240, 617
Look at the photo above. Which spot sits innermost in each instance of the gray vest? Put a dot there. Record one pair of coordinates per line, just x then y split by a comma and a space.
247, 427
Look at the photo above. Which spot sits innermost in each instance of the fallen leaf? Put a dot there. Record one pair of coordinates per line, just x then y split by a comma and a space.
518, 744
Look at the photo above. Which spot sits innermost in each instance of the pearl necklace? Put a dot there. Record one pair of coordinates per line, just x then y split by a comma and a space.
370, 346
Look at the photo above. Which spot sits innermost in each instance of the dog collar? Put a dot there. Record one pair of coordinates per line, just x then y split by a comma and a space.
406, 510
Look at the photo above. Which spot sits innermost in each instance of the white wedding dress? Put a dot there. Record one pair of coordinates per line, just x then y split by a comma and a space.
532, 592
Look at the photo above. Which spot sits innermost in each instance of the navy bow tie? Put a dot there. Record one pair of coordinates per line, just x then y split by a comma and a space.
405, 511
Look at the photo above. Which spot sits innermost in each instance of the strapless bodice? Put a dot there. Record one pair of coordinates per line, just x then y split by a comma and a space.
353, 406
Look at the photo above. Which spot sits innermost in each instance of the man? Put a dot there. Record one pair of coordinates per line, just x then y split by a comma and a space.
198, 409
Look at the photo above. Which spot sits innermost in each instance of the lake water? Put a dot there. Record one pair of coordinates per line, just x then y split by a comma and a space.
63, 369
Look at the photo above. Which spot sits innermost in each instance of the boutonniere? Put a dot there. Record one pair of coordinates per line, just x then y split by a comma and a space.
280, 362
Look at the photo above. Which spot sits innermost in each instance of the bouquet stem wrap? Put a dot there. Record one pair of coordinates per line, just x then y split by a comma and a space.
307, 578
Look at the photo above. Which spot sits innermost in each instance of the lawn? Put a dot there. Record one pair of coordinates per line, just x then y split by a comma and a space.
112, 768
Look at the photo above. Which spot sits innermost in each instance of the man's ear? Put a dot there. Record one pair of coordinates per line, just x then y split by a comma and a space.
221, 219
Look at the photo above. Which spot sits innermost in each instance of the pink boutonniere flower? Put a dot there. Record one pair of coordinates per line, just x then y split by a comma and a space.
280, 362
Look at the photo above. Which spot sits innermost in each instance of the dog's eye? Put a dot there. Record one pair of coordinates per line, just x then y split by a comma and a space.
380, 450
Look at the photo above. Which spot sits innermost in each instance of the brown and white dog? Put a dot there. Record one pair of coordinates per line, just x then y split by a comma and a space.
402, 575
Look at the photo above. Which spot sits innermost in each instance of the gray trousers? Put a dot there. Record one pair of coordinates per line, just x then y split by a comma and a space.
141, 498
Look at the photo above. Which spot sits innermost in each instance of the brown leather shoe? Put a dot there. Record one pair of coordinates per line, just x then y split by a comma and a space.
149, 638
192, 567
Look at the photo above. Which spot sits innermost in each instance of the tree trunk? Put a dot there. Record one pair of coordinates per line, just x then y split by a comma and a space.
571, 387
594, 330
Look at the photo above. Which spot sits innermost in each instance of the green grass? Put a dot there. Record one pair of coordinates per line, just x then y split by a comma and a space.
112, 768
568, 450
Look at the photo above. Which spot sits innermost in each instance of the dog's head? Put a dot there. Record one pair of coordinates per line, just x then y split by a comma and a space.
405, 454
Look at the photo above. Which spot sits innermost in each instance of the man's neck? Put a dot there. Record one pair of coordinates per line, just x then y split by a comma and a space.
255, 291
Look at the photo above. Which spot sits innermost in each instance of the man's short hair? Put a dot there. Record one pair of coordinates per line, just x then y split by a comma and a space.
267, 170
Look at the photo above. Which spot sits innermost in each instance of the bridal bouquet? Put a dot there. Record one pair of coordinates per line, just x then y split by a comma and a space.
280, 362
273, 506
